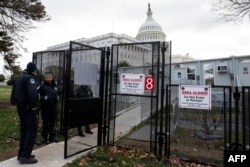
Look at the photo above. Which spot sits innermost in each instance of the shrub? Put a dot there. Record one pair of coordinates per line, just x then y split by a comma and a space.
2, 78
10, 82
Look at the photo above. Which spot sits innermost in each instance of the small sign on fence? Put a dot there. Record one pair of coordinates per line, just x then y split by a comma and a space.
195, 96
132, 83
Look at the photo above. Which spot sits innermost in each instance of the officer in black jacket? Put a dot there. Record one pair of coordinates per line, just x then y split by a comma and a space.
83, 91
25, 97
49, 96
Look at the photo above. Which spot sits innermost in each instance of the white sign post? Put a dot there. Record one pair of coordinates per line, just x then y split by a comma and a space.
195, 96
132, 83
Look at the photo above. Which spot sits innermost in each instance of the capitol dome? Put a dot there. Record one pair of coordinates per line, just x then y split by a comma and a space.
150, 30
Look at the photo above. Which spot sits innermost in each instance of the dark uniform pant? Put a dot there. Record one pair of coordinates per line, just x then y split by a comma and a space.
49, 113
28, 131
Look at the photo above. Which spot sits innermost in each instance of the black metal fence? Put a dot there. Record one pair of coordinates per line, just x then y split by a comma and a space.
81, 71
53, 62
206, 135
148, 60
170, 130
71, 69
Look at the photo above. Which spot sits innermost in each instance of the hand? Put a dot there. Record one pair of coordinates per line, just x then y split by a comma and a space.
45, 97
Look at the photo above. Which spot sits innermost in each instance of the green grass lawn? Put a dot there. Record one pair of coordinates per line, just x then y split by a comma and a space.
9, 129
5, 92
9, 122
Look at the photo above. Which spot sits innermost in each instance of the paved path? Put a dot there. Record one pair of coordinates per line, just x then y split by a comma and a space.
52, 154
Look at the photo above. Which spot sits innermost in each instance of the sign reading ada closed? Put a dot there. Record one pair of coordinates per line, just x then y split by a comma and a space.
132, 83
195, 96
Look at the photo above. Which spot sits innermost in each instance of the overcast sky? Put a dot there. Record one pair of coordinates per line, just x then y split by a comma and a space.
190, 25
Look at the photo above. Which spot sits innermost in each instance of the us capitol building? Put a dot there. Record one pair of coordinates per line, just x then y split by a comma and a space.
149, 31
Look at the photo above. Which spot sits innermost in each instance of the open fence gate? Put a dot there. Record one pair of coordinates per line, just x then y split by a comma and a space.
82, 111
140, 87
72, 69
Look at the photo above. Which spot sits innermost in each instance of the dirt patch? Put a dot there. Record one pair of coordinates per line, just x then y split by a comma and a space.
5, 104
181, 155
8, 154
187, 148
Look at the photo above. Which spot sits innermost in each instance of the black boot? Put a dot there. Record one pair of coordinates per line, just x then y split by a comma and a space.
31, 156
88, 130
23, 160
53, 140
80, 133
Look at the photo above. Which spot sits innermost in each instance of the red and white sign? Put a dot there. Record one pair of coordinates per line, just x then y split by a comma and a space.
149, 83
132, 83
195, 96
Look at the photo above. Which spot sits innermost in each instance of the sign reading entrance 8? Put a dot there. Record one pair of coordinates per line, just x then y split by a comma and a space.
149, 83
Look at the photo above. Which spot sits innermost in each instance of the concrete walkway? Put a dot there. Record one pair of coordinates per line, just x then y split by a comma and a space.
52, 155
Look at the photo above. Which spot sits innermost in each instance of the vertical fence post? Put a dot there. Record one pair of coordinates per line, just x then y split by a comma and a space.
161, 135
105, 115
243, 119
236, 96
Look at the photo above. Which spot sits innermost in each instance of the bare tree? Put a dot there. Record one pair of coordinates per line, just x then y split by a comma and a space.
16, 18
232, 10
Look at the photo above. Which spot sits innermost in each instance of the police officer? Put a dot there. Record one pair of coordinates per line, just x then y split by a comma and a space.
49, 96
83, 91
25, 97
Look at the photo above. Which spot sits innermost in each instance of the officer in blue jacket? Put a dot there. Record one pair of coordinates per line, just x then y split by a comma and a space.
25, 97
49, 96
